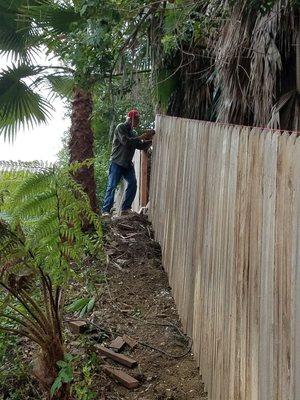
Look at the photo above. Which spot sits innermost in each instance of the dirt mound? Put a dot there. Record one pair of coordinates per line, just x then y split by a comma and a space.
137, 301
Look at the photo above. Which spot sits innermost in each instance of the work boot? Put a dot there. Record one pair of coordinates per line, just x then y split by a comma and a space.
127, 212
105, 215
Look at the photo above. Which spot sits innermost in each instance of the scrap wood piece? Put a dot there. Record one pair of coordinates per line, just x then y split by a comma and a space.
130, 341
77, 326
120, 358
110, 252
131, 235
126, 380
117, 344
126, 227
117, 265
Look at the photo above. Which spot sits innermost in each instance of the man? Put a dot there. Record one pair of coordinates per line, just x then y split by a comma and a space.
124, 144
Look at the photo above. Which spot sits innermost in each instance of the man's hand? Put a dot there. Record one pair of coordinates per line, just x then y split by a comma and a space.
143, 136
148, 135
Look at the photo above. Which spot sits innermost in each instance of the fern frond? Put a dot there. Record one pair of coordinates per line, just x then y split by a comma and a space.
35, 206
51, 209
33, 183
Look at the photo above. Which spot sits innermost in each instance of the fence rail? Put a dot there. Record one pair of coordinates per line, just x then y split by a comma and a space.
28, 166
225, 206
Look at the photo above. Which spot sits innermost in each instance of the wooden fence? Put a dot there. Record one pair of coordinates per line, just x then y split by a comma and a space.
225, 206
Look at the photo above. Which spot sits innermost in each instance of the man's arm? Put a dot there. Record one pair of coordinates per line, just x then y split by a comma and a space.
125, 139
147, 140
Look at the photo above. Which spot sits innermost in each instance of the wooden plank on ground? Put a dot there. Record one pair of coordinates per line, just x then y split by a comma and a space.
130, 341
126, 380
117, 344
120, 358
77, 327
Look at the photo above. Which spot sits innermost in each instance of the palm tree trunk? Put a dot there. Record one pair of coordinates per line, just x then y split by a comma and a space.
82, 141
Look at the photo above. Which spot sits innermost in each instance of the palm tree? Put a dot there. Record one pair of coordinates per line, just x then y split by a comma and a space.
26, 26
235, 62
93, 42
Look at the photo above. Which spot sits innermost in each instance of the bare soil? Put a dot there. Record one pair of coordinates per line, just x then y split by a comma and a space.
135, 299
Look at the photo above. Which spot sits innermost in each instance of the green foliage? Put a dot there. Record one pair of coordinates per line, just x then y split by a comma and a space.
102, 154
83, 388
22, 33
81, 306
15, 380
50, 208
169, 42
86, 41
165, 86
61, 85
18, 38
30, 306
65, 374
179, 25
19, 104
61, 17
43, 214
87, 36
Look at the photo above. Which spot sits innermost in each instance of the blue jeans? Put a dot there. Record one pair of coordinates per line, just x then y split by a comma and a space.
116, 173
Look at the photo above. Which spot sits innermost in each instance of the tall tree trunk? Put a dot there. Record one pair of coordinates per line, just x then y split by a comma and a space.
82, 140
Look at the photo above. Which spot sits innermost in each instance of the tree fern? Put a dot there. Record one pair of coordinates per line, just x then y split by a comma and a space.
51, 209
41, 218
30, 306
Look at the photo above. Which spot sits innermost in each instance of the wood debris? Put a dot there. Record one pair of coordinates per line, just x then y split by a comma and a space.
77, 326
120, 358
117, 344
125, 379
130, 341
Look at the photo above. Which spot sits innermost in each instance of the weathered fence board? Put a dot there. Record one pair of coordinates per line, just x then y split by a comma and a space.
225, 206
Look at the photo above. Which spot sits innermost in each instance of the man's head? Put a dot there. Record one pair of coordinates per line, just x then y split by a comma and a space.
134, 118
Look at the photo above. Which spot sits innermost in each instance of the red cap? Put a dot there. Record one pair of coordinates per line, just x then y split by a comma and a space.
133, 113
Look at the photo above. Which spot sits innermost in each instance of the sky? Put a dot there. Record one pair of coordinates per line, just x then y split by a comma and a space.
42, 142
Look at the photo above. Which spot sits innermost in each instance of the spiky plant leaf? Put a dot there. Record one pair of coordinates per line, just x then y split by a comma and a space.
61, 85
20, 106
58, 17
18, 37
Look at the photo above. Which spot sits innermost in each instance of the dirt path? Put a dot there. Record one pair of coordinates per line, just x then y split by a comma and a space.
136, 300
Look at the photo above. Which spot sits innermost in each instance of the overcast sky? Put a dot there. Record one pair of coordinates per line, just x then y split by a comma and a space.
40, 143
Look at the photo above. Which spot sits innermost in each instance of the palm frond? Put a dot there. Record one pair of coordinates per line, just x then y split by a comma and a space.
59, 17
18, 37
61, 85
20, 106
